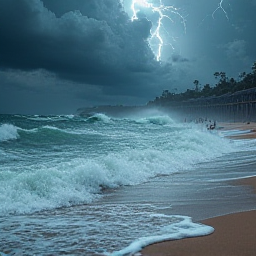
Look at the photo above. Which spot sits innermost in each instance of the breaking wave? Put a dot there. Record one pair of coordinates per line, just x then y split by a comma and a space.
65, 182
8, 132
98, 117
70, 163
159, 120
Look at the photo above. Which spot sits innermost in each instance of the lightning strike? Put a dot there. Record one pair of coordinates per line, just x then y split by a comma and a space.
220, 7
162, 12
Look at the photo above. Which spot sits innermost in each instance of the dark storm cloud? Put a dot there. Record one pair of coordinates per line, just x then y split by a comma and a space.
178, 58
96, 45
73, 53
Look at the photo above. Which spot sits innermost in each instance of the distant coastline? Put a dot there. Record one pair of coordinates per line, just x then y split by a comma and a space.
236, 107
229, 100
111, 110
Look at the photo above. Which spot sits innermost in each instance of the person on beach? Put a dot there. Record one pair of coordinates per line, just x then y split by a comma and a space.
212, 126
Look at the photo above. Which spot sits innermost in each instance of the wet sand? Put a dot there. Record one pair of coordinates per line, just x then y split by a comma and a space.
249, 182
238, 126
234, 235
250, 127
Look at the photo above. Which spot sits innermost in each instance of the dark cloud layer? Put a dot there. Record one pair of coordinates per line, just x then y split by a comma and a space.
78, 47
96, 45
71, 53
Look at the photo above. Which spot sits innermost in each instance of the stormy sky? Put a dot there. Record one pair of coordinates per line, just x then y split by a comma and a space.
59, 55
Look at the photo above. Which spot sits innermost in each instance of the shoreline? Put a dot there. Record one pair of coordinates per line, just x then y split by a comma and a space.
234, 233
248, 130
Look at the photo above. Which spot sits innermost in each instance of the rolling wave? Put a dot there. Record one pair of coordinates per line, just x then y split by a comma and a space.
50, 118
8, 132
68, 163
66, 181
98, 117
158, 120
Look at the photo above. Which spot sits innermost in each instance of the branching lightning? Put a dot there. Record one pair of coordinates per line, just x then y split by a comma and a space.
164, 12
220, 7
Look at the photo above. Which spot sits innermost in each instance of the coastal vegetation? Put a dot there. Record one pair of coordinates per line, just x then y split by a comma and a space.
224, 85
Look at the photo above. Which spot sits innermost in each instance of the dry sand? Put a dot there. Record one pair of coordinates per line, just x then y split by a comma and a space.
234, 235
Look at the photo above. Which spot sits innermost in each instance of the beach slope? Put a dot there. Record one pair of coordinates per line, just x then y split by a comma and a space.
234, 235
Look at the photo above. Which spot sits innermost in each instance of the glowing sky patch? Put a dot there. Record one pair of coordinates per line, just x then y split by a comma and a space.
164, 12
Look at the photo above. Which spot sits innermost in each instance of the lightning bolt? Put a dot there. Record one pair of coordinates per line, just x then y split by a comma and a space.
163, 13
220, 7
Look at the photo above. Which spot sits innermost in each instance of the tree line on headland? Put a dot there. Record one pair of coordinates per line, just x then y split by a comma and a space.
227, 98
223, 86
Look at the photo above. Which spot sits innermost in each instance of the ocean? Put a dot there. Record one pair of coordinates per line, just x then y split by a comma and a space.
99, 185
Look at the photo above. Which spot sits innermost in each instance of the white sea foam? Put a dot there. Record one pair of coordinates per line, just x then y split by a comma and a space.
50, 118
99, 117
183, 229
158, 119
67, 131
79, 180
234, 132
125, 153
54, 128
8, 132
49, 127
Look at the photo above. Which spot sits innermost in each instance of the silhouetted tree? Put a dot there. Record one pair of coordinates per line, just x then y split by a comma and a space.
196, 83
254, 68
242, 75
165, 93
216, 75
223, 86
206, 91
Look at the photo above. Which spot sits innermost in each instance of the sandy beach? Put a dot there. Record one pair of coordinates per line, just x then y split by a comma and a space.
234, 235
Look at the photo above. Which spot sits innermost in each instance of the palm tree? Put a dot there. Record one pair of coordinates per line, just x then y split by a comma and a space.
254, 68
242, 76
196, 83
216, 74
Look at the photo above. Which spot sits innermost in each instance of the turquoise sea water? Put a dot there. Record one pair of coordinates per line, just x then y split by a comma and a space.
95, 185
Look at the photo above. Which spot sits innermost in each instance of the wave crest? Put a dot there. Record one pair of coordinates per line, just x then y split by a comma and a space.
159, 120
99, 117
8, 132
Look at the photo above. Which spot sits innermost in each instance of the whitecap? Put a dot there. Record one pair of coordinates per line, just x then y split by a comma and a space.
183, 229
8, 132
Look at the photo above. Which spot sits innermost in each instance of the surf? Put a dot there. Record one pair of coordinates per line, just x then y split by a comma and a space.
8, 132
74, 162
